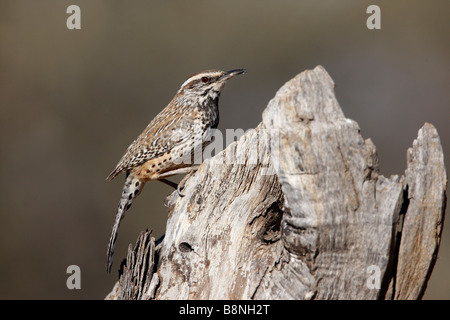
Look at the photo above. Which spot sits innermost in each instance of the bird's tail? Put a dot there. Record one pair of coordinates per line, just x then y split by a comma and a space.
131, 189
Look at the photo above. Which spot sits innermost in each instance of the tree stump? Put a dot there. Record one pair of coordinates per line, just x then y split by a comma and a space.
297, 209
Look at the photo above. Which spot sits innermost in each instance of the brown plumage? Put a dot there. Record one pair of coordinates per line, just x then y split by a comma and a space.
171, 140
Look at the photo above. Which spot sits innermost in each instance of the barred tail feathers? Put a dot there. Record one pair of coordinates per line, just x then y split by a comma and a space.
131, 189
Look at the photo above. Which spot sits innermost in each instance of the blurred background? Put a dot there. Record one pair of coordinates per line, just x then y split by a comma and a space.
71, 101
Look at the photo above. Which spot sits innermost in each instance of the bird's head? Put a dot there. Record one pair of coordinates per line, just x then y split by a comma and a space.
207, 84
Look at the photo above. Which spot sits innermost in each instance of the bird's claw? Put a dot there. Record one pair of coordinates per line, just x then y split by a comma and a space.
179, 188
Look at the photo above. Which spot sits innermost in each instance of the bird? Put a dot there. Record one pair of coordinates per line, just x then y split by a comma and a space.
171, 140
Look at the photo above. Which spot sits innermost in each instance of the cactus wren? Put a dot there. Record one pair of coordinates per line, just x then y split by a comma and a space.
169, 143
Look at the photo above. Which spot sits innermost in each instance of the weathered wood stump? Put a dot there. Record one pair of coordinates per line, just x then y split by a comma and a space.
297, 209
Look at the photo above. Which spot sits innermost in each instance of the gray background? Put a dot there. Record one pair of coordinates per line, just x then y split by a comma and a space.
72, 101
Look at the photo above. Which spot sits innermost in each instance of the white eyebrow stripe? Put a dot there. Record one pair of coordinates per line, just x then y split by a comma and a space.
200, 75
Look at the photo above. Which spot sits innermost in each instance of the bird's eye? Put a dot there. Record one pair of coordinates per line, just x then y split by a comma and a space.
205, 79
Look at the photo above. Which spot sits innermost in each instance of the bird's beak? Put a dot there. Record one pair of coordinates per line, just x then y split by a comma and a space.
229, 74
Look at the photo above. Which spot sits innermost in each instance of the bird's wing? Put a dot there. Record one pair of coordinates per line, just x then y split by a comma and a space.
162, 134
